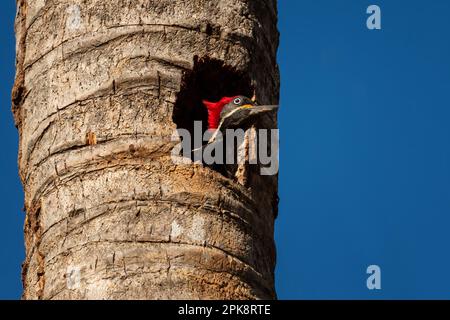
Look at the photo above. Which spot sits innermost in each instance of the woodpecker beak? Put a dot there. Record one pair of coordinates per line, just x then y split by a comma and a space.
250, 113
255, 109
258, 109
245, 114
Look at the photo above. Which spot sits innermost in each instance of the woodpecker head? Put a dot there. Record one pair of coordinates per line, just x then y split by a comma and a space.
233, 111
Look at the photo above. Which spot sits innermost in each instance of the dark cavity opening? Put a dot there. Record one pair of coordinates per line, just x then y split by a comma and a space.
210, 79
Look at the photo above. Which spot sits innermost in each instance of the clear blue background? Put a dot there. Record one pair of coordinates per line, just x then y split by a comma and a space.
365, 154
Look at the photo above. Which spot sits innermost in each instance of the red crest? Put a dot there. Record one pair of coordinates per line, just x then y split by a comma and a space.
214, 110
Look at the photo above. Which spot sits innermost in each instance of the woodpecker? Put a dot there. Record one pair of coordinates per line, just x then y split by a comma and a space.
238, 112
234, 112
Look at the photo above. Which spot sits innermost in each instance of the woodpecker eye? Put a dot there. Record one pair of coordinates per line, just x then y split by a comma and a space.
237, 101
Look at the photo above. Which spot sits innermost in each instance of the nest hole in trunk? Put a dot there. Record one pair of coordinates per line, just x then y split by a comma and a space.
210, 79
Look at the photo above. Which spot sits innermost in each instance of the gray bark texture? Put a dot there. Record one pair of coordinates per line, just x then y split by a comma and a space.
109, 215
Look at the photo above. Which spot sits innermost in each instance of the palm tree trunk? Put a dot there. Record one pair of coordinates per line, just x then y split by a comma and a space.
109, 215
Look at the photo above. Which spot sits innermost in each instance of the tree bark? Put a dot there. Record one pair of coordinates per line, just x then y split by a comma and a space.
108, 213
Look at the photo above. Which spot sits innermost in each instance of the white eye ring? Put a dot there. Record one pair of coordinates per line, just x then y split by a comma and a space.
237, 101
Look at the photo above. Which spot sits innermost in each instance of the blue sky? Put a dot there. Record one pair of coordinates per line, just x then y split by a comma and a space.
11, 195
365, 154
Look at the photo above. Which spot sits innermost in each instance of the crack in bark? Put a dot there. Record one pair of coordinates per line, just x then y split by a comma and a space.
100, 142
33, 234
19, 83
141, 29
35, 141
143, 203
211, 248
